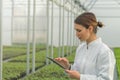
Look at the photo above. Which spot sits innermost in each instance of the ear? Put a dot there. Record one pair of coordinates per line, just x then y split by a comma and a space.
90, 28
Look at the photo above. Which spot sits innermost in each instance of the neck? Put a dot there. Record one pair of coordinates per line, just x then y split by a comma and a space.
91, 38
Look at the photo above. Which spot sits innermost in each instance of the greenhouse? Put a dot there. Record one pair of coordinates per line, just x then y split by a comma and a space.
32, 30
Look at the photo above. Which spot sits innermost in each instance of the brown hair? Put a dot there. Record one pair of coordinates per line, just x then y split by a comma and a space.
87, 19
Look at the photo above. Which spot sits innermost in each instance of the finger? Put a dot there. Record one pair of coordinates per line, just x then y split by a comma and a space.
64, 59
61, 60
68, 71
57, 58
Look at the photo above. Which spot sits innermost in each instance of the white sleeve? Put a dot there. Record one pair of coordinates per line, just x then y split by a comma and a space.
105, 68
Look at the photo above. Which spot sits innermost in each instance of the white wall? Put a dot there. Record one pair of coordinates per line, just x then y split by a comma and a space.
56, 26
6, 20
110, 33
19, 34
111, 19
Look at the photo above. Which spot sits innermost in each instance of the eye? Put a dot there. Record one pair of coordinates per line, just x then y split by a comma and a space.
78, 30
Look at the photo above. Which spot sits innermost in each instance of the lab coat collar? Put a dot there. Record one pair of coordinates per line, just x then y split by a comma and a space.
98, 40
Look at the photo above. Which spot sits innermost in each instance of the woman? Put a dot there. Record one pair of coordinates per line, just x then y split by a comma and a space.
94, 60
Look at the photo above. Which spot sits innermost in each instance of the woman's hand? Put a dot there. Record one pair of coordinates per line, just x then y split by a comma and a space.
64, 62
73, 74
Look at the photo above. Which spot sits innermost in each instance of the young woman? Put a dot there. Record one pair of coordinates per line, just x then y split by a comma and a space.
94, 60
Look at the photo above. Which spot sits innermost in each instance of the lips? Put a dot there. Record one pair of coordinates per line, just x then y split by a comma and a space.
79, 37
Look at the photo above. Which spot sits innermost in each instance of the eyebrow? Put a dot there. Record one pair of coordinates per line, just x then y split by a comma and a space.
78, 30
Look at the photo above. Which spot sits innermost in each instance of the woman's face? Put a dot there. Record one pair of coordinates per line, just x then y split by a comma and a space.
81, 32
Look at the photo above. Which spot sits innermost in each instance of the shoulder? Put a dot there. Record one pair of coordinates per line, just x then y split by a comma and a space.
104, 48
105, 51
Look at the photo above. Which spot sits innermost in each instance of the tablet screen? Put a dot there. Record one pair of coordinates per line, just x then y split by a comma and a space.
56, 62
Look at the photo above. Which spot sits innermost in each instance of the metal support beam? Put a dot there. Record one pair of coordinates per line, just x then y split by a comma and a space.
47, 45
1, 46
52, 25
67, 2
71, 30
12, 20
68, 31
74, 33
28, 40
33, 35
63, 19
59, 50
93, 3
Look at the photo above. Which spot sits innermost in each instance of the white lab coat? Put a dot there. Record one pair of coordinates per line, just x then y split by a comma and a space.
95, 61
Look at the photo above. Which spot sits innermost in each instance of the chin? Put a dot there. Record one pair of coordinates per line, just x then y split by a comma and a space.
81, 40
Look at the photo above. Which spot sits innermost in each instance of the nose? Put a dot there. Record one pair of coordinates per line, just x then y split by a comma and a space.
77, 34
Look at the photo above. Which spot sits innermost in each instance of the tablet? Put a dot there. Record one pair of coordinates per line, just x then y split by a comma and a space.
56, 62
